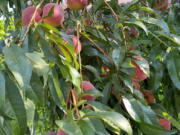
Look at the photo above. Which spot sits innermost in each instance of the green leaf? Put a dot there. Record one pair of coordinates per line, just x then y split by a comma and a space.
17, 105
93, 52
74, 77
87, 127
99, 127
173, 66
139, 24
158, 22
69, 125
174, 38
2, 88
39, 65
106, 92
118, 55
92, 92
97, 106
94, 71
30, 110
127, 81
37, 89
112, 118
154, 130
54, 86
156, 75
19, 65
138, 111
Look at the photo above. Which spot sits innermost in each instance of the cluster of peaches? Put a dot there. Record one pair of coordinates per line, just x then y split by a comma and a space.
57, 18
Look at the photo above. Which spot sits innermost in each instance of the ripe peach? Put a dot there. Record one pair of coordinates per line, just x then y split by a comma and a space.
148, 96
77, 4
77, 44
61, 132
134, 32
58, 15
165, 123
140, 75
28, 13
162, 4
86, 85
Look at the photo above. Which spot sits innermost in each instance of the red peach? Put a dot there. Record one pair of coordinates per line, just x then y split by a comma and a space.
28, 13
140, 75
134, 32
165, 123
162, 4
77, 4
61, 132
77, 44
148, 96
86, 85
58, 15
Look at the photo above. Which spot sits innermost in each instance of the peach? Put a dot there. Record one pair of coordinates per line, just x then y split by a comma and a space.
86, 85
61, 132
148, 96
134, 32
77, 4
165, 123
77, 44
28, 13
57, 17
162, 4
140, 75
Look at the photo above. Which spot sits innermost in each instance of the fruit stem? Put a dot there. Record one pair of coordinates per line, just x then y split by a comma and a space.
31, 22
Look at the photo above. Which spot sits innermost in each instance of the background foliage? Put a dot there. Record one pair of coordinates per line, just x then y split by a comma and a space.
35, 80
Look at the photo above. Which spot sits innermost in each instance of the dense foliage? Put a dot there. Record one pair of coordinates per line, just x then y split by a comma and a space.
95, 67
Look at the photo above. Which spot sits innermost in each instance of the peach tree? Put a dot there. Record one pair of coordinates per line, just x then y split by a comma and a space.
89, 67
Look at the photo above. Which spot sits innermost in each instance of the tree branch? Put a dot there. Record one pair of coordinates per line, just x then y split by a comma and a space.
30, 23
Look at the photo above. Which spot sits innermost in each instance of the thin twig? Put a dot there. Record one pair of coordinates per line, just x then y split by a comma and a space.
115, 15
74, 102
158, 38
101, 50
31, 22
80, 64
124, 37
